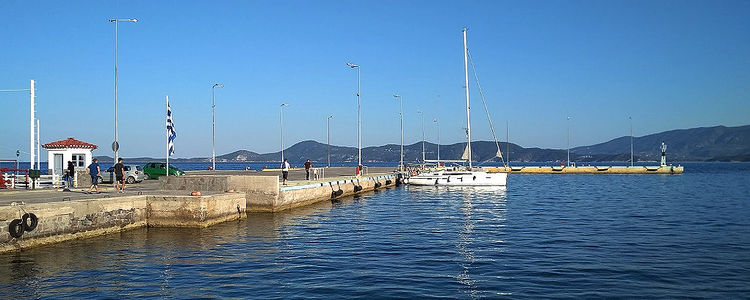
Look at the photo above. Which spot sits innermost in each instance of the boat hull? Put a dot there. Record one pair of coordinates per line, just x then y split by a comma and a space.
474, 178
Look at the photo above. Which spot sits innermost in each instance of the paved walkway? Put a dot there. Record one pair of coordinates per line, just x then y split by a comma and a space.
151, 187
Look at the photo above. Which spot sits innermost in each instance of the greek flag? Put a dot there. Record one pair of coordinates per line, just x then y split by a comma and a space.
171, 134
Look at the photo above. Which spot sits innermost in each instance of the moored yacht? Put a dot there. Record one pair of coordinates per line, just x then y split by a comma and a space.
469, 176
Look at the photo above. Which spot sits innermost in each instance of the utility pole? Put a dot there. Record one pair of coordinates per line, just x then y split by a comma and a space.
31, 128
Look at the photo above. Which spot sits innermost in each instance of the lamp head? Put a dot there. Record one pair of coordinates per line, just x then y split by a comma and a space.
284, 104
133, 20
396, 95
330, 117
218, 85
351, 65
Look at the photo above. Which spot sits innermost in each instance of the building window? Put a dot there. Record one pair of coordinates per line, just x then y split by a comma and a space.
79, 160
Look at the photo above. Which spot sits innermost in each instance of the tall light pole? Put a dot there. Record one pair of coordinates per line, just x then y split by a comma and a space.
213, 124
31, 141
568, 142
438, 139
422, 116
359, 116
31, 122
329, 140
282, 130
401, 116
116, 144
631, 140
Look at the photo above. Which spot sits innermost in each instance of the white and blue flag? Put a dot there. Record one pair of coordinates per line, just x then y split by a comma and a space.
171, 134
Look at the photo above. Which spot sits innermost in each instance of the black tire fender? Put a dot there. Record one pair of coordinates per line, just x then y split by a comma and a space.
29, 226
15, 228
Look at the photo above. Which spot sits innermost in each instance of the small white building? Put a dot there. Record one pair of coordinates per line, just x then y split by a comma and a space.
59, 153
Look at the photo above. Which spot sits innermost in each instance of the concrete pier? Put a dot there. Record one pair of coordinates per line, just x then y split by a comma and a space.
167, 202
264, 192
67, 220
591, 170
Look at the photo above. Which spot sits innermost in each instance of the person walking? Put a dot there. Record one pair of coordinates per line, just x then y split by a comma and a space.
94, 171
119, 176
70, 174
308, 165
285, 170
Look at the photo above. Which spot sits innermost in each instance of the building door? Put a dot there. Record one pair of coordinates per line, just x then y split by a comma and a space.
58, 166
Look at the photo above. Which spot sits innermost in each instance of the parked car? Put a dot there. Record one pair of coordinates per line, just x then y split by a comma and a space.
158, 169
133, 174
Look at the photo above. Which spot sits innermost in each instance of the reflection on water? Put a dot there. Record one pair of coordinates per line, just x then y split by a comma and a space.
545, 236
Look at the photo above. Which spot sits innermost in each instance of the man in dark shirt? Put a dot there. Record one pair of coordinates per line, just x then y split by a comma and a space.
119, 176
308, 165
94, 172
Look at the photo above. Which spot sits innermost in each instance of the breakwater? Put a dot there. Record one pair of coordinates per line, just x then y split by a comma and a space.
590, 170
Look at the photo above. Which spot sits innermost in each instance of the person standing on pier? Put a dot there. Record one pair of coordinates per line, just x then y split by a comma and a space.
285, 171
71, 174
94, 170
119, 176
308, 165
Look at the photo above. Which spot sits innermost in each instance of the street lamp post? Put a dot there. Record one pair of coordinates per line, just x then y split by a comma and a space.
329, 140
438, 140
401, 116
116, 144
282, 130
422, 116
568, 142
359, 116
631, 140
213, 124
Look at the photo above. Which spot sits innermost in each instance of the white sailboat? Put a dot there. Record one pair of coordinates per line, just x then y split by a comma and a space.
466, 176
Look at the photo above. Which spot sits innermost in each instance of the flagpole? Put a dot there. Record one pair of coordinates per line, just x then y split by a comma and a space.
167, 134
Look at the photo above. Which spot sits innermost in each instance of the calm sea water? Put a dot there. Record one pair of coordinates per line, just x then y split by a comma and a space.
565, 236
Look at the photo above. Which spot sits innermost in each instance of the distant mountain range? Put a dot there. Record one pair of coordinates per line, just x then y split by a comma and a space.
717, 143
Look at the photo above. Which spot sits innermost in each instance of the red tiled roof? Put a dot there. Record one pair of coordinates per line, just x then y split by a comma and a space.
69, 143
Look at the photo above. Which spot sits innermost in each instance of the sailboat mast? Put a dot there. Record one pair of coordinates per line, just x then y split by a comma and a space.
468, 116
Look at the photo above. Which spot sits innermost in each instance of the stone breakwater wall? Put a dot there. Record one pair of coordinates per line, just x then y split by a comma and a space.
67, 220
264, 194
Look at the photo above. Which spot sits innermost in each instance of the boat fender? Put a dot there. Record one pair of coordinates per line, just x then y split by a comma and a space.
436, 181
338, 193
378, 184
15, 228
357, 188
388, 182
398, 181
475, 178
30, 221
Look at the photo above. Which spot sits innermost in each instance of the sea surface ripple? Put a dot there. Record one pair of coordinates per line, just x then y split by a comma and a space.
545, 236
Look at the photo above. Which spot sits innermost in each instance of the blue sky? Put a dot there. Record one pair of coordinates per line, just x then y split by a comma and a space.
668, 64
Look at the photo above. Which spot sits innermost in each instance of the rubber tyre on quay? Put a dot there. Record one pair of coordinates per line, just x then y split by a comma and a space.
15, 228
29, 226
